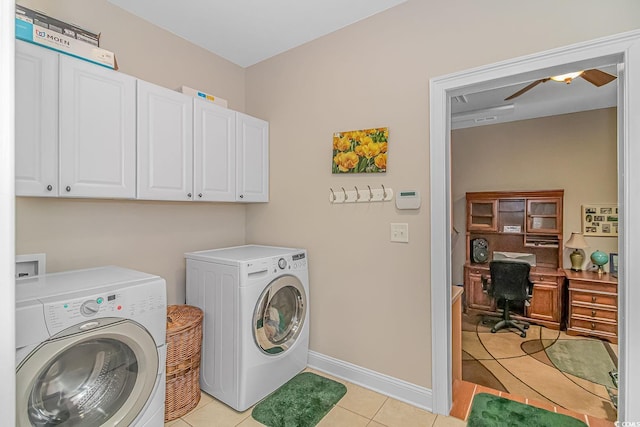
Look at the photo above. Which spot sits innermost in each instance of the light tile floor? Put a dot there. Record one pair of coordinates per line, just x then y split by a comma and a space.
360, 407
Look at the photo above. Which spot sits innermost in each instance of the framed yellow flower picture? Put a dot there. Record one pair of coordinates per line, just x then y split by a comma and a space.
360, 151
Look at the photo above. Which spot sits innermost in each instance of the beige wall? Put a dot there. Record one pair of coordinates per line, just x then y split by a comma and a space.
148, 52
370, 299
149, 236
575, 152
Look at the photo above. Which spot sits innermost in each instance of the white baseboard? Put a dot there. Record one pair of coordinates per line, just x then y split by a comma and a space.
412, 394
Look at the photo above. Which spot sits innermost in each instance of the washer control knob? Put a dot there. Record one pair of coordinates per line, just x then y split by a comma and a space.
89, 308
282, 263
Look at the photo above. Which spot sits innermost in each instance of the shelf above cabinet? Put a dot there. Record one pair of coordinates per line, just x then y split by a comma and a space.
520, 221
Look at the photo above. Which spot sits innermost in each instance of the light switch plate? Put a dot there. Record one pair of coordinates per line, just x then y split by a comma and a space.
400, 232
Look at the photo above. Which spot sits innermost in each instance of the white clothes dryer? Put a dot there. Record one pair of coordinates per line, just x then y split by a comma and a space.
91, 348
256, 319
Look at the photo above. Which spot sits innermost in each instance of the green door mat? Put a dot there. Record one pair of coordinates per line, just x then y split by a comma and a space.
488, 410
301, 402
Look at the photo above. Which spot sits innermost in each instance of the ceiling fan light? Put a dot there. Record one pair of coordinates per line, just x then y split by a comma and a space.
566, 78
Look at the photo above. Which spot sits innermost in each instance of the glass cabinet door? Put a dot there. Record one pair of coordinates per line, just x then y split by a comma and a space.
544, 216
481, 215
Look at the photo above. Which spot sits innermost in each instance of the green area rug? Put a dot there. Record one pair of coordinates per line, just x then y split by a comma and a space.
488, 410
301, 402
588, 359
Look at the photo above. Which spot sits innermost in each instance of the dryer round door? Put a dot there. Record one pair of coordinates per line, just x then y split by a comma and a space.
98, 373
279, 315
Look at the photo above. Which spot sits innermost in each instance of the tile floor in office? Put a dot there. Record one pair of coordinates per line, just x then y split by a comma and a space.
359, 407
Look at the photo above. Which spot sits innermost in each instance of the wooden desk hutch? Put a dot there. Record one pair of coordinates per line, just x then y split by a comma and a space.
523, 222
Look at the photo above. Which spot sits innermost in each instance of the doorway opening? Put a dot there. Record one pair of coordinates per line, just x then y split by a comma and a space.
524, 183
623, 49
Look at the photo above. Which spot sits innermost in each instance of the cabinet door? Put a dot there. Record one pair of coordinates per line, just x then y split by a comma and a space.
214, 152
544, 302
476, 297
36, 133
544, 215
481, 215
252, 159
97, 131
165, 143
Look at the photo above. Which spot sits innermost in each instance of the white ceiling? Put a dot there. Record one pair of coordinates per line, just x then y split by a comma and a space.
486, 107
246, 32
249, 31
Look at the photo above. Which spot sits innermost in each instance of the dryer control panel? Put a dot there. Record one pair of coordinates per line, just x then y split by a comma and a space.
294, 262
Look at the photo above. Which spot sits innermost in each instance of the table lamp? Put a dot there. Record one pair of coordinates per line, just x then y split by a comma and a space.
576, 242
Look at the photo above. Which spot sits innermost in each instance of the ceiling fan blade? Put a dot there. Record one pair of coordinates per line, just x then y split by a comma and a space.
597, 77
526, 88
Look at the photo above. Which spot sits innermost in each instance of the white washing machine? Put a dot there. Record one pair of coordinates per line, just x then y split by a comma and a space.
256, 319
90, 349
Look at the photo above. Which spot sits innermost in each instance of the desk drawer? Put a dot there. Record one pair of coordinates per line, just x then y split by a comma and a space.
544, 278
594, 312
594, 326
579, 285
608, 300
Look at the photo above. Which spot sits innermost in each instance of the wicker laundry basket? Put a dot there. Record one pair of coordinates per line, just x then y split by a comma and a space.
184, 343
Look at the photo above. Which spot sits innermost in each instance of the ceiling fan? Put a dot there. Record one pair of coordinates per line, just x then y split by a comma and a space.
593, 76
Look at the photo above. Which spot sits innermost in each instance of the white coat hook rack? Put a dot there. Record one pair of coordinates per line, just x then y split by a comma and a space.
356, 195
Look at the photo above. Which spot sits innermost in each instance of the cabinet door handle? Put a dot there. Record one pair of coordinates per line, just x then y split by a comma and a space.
200, 195
593, 313
242, 196
593, 325
49, 187
189, 195
593, 299
68, 189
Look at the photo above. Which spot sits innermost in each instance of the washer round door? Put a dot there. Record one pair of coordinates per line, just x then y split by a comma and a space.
98, 373
279, 315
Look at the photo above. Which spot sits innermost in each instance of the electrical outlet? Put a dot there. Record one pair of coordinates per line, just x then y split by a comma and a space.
400, 232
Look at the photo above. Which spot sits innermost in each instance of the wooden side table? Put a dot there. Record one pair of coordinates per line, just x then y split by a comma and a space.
593, 305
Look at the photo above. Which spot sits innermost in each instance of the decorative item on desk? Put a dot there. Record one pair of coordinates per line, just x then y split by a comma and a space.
613, 264
576, 242
480, 250
599, 258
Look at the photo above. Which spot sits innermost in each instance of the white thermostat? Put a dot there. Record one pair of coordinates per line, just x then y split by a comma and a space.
408, 199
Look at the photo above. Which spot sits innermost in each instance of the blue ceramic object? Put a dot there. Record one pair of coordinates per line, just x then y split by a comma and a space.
599, 258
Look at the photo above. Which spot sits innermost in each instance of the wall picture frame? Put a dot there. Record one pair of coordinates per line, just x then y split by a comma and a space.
613, 264
600, 220
360, 151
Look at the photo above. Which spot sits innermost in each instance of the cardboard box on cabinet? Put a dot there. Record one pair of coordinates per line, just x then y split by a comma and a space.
38, 28
202, 95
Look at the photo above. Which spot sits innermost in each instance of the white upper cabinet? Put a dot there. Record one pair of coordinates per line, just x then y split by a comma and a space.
165, 143
36, 85
83, 130
252, 159
214, 152
97, 131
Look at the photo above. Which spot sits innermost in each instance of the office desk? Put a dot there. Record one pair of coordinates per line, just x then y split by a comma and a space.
546, 304
593, 305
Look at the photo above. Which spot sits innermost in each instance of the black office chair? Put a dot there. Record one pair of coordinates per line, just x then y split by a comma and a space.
509, 282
